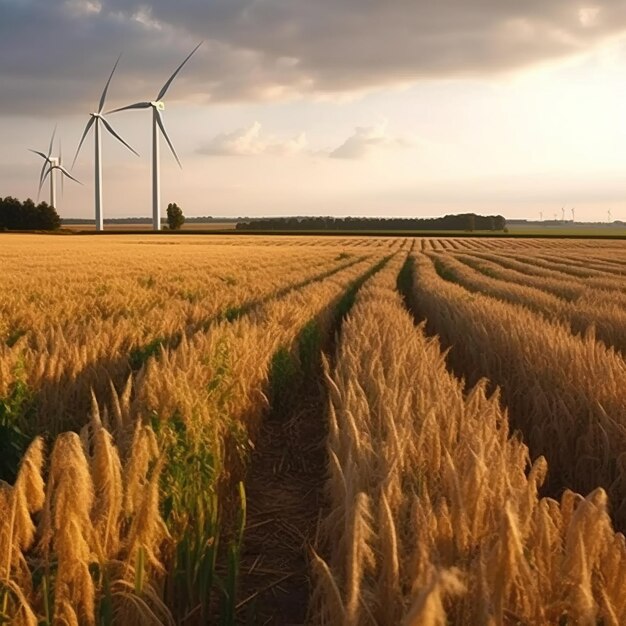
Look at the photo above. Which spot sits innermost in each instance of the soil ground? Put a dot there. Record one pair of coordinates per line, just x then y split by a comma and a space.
285, 491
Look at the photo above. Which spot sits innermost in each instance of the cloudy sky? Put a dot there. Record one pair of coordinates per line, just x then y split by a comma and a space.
369, 107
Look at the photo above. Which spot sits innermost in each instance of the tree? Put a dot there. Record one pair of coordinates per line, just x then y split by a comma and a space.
471, 222
47, 217
16, 215
175, 217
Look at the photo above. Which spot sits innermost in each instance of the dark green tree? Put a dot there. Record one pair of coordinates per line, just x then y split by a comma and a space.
16, 215
47, 217
471, 222
175, 217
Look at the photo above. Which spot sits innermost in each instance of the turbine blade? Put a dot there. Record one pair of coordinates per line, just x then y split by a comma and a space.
43, 169
82, 139
169, 143
173, 76
39, 190
42, 181
41, 154
54, 132
66, 173
110, 129
137, 105
106, 87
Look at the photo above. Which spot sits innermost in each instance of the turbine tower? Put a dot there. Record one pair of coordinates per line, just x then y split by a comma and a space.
609, 214
95, 120
541, 216
573, 214
157, 106
48, 160
562, 213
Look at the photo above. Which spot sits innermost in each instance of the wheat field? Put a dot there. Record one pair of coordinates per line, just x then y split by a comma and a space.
312, 430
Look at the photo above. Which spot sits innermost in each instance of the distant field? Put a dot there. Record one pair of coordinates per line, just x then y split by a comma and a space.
338, 430
568, 231
148, 226
516, 231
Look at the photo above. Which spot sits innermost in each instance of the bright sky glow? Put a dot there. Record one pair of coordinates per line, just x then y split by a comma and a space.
374, 133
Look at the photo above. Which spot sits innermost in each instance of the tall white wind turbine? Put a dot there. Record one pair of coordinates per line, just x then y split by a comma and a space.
95, 120
157, 106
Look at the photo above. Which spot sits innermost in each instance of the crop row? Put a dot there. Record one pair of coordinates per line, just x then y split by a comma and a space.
434, 514
140, 510
564, 392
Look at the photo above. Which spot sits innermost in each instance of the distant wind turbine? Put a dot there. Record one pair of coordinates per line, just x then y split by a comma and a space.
562, 213
573, 214
157, 106
48, 159
609, 212
541, 216
53, 164
95, 120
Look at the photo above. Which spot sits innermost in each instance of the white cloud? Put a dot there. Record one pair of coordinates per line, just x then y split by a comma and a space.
365, 140
252, 141
83, 6
277, 49
588, 16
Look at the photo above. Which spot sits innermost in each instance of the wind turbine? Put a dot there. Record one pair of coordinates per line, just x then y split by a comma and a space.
562, 213
573, 214
51, 161
541, 216
62, 170
609, 213
157, 106
95, 119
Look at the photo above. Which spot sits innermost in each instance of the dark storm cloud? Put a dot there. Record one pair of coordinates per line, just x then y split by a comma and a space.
54, 54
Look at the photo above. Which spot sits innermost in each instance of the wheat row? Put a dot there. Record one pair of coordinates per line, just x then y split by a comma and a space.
592, 311
564, 392
87, 523
434, 516
62, 363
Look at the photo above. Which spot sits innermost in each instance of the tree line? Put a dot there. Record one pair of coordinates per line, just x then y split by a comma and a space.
17, 215
463, 222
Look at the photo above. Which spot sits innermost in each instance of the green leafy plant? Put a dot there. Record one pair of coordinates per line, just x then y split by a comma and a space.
138, 356
14, 410
14, 336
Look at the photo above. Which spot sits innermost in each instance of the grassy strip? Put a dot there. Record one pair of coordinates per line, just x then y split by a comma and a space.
288, 368
347, 302
141, 354
235, 313
404, 286
292, 438
201, 511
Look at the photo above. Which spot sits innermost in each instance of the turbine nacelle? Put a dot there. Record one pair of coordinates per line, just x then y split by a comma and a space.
159, 105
